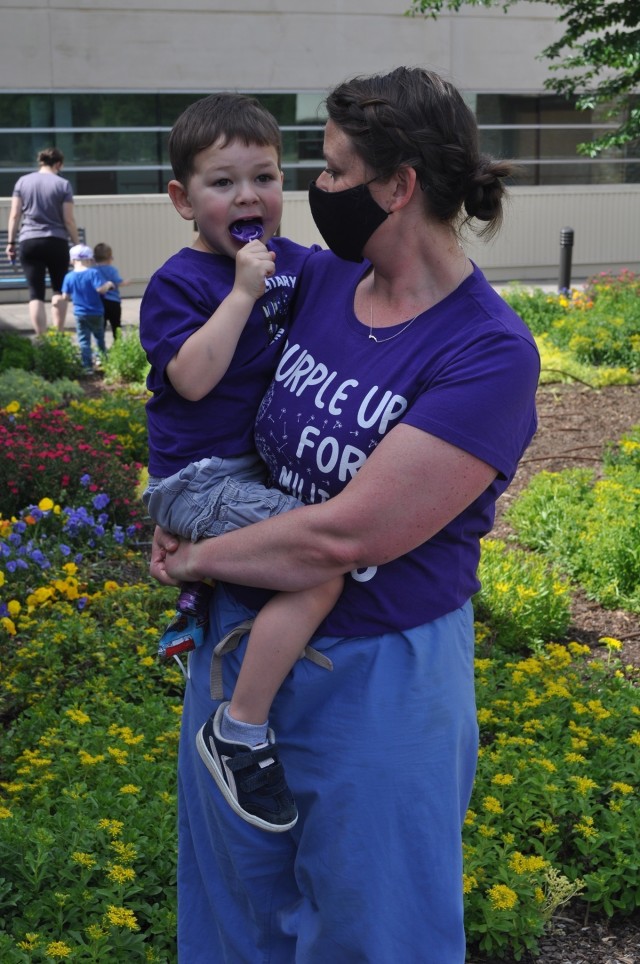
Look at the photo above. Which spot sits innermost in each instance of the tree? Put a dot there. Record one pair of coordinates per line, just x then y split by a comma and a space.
598, 59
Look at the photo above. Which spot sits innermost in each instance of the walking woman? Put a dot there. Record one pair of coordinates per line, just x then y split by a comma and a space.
42, 222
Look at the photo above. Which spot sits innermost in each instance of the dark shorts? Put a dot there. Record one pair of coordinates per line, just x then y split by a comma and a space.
39, 255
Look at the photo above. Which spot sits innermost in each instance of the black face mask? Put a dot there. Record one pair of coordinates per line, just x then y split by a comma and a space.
346, 219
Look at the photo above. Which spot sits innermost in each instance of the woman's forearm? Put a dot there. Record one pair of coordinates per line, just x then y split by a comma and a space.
409, 488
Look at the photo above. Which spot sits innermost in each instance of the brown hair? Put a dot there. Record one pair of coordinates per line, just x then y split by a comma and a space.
49, 156
226, 117
102, 252
412, 116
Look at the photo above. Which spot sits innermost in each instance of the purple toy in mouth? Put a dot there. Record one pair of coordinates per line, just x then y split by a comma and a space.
246, 231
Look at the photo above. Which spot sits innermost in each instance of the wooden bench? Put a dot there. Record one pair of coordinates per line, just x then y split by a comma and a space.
11, 275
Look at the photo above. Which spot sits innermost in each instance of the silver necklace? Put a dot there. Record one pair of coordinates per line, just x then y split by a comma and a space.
381, 341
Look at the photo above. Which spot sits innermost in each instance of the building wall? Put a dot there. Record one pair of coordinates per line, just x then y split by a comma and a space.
260, 45
145, 230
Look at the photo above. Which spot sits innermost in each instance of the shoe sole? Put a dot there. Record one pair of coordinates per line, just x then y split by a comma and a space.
213, 768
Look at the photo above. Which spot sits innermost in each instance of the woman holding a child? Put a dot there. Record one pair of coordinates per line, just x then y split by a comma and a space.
400, 408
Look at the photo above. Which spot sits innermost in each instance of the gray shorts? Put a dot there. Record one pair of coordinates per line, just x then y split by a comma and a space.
213, 496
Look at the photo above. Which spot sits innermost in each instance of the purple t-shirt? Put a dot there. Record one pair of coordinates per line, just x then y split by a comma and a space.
42, 197
466, 371
180, 297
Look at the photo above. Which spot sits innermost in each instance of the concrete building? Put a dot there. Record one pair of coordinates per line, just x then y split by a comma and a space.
105, 82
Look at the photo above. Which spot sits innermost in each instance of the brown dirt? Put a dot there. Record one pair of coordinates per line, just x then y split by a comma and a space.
575, 423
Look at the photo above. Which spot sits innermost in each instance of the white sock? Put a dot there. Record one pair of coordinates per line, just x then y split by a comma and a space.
235, 731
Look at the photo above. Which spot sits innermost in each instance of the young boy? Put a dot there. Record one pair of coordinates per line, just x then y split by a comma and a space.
213, 322
111, 301
83, 286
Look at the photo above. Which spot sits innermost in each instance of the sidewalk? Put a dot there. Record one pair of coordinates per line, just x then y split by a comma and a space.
15, 318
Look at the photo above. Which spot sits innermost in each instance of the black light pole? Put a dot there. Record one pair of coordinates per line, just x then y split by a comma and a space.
566, 250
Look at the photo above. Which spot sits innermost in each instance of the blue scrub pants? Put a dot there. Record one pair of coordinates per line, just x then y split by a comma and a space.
380, 754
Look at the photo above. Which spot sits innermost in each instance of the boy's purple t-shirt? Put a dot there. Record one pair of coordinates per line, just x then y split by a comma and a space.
180, 297
465, 371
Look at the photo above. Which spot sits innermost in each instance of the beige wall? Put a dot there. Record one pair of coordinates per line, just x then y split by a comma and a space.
145, 230
258, 45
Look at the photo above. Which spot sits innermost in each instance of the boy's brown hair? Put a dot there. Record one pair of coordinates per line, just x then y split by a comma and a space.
221, 117
102, 252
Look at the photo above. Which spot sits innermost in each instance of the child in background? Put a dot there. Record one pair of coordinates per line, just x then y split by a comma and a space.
111, 301
83, 286
213, 322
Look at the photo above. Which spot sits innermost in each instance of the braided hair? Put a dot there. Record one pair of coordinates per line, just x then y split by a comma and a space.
413, 117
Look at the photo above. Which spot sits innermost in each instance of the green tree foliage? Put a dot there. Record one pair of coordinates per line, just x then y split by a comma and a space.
598, 59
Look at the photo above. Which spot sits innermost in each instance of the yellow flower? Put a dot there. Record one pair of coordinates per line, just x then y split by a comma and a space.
84, 860
1, 578
58, 949
610, 642
575, 758
5, 813
113, 827
492, 805
526, 865
78, 716
546, 827
94, 932
503, 779
130, 788
121, 917
45, 505
89, 761
468, 883
13, 607
623, 788
583, 784
30, 942
8, 624
120, 875
502, 897
585, 828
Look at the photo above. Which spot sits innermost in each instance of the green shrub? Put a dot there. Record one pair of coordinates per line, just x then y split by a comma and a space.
29, 389
126, 361
118, 413
554, 810
588, 528
523, 599
599, 325
57, 356
16, 351
538, 309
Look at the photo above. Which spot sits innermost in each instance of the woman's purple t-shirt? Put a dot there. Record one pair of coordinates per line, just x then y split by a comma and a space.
465, 371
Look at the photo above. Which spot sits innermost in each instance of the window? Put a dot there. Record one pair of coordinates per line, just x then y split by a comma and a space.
116, 143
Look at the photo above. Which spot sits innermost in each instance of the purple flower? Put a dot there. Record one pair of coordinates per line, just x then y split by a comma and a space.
65, 550
101, 501
82, 602
85, 481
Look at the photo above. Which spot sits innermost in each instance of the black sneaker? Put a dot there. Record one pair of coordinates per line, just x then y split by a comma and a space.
251, 778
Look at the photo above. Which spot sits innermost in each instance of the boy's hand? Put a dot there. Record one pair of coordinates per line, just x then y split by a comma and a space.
254, 263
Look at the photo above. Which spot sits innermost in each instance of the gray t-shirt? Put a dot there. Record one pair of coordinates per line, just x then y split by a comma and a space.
42, 196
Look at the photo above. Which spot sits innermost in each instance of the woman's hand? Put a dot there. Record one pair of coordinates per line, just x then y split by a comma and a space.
163, 548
